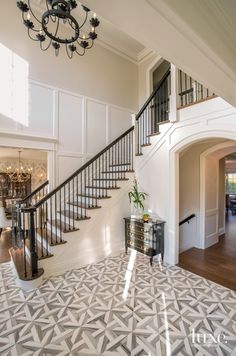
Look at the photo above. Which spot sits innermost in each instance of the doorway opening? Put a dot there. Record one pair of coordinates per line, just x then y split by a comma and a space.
34, 164
207, 231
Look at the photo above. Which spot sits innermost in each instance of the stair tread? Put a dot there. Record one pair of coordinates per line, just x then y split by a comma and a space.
119, 164
50, 237
112, 172
41, 252
109, 179
17, 256
83, 205
153, 134
90, 196
74, 215
101, 188
61, 225
163, 122
146, 144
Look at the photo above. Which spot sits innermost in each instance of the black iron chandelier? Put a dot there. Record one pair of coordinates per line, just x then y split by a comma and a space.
49, 30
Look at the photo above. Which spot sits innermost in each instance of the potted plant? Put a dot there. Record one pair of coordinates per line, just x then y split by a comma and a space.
137, 198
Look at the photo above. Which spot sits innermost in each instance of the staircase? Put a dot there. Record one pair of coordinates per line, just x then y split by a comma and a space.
45, 224
43, 221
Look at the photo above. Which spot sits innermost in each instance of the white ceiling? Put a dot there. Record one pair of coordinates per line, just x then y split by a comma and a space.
9, 152
214, 21
109, 36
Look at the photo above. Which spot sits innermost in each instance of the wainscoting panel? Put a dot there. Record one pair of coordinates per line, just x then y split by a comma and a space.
70, 130
67, 166
41, 111
96, 126
211, 223
120, 121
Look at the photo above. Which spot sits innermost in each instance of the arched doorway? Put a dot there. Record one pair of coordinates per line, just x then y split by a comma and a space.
187, 139
203, 243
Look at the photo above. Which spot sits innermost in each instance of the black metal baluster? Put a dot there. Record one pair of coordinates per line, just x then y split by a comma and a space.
181, 87
113, 167
40, 228
24, 244
50, 205
45, 225
69, 203
93, 200
74, 202
201, 91
77, 196
85, 180
185, 84
60, 213
55, 212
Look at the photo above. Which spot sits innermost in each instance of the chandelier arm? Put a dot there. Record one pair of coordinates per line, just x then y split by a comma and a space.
46, 48
70, 55
53, 20
58, 22
29, 5
33, 39
80, 54
86, 17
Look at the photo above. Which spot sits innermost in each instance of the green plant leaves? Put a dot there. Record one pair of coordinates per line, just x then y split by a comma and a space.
136, 197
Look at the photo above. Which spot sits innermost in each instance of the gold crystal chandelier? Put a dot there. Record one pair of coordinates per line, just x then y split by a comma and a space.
20, 174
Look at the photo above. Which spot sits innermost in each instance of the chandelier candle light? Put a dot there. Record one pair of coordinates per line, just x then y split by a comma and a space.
20, 174
49, 30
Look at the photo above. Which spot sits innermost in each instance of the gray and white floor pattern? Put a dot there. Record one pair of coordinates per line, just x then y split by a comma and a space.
120, 306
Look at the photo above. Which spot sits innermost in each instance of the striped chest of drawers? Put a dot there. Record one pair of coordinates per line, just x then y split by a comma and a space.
147, 238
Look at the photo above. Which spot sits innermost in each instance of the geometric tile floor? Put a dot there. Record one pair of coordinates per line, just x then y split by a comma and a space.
120, 306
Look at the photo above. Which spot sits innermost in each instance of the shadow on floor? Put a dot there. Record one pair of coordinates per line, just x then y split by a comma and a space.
218, 262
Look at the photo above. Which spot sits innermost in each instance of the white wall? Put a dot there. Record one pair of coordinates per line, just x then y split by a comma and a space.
189, 194
99, 74
77, 126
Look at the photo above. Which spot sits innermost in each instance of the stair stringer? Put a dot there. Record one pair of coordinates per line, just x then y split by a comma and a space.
99, 237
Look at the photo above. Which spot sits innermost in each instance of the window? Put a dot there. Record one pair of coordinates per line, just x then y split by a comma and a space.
230, 183
13, 86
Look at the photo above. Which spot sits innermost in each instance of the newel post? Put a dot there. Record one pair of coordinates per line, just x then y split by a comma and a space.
32, 237
174, 96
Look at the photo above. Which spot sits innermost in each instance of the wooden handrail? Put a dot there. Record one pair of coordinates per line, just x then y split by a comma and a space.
29, 196
187, 219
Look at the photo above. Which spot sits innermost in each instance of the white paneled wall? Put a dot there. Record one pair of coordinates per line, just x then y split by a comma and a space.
96, 126
77, 127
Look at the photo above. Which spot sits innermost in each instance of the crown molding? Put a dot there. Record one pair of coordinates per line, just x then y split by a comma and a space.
145, 54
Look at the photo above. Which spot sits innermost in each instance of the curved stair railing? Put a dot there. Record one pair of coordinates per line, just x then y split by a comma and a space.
154, 112
45, 223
